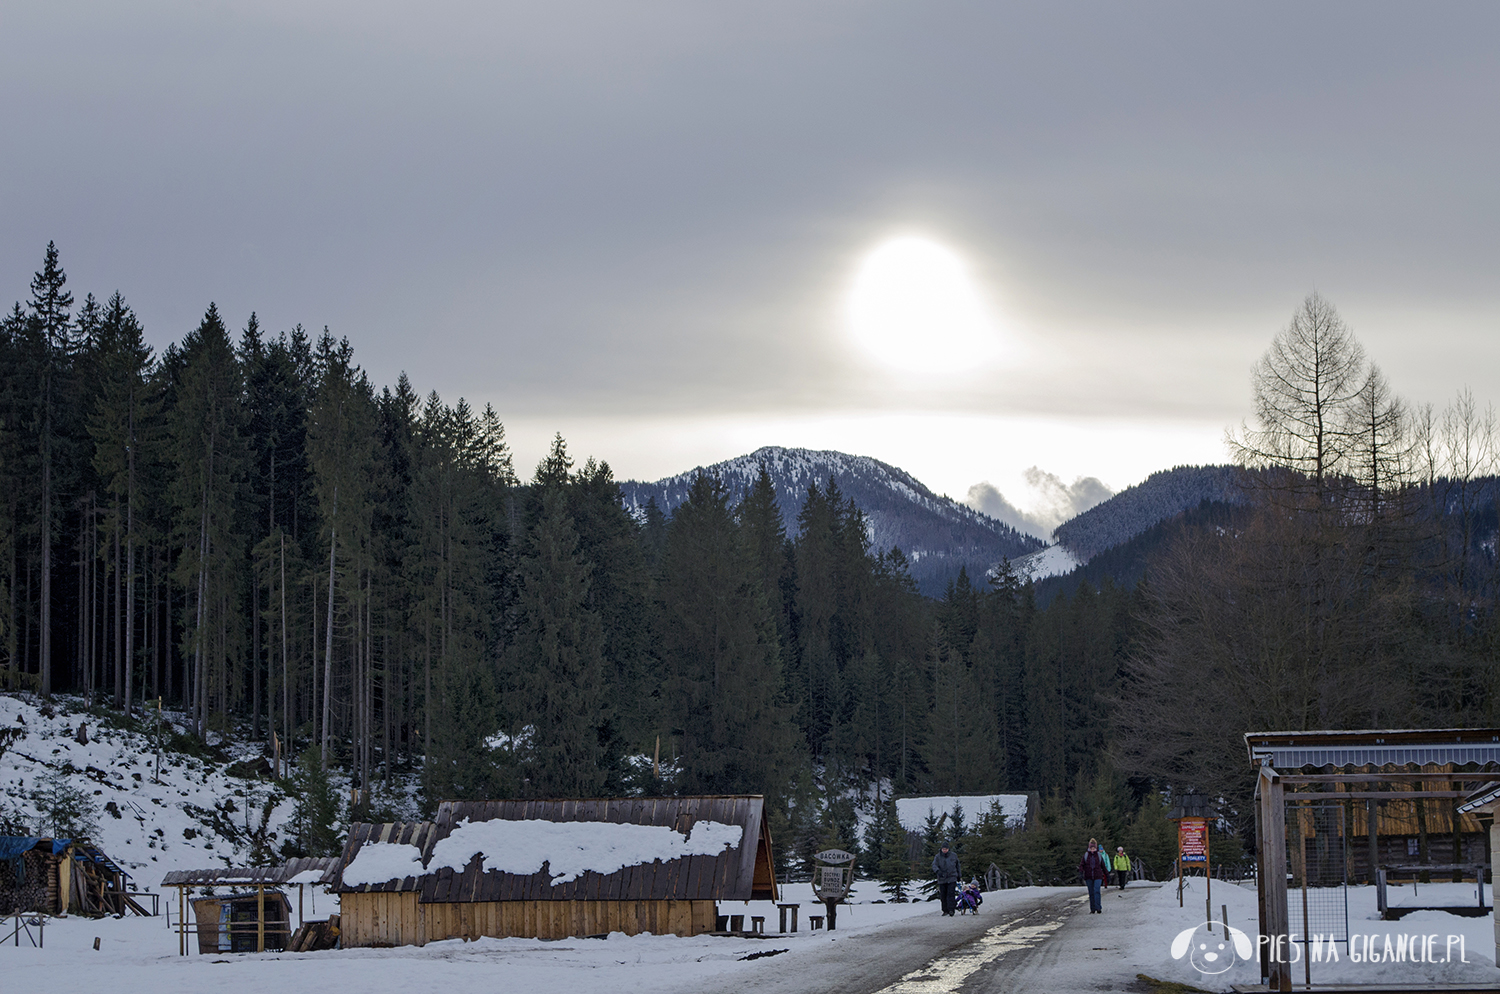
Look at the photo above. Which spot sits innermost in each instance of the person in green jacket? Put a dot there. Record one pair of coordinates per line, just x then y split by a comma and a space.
1121, 864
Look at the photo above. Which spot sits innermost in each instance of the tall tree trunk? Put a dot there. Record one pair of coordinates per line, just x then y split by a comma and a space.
333, 544
119, 615
255, 665
80, 659
286, 710
130, 564
198, 634
44, 649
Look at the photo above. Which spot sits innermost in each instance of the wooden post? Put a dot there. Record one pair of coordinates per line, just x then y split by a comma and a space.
1208, 874
1494, 848
1306, 938
181, 917
1271, 822
260, 918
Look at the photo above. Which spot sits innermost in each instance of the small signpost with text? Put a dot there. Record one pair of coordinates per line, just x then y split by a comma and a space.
1192, 846
833, 879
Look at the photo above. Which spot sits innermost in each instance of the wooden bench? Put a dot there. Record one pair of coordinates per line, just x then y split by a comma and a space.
758, 924
814, 922
783, 908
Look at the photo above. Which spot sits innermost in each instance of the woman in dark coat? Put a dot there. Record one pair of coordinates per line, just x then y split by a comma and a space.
1095, 871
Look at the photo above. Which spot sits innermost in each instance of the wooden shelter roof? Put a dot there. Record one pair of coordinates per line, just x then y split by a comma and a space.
737, 873
237, 876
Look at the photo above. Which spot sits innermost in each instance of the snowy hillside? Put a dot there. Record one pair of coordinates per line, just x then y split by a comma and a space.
1054, 560
194, 816
937, 534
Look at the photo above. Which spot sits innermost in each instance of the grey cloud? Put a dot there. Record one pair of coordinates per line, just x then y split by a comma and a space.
579, 205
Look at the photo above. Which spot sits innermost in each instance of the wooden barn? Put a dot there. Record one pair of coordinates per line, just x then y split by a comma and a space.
552, 869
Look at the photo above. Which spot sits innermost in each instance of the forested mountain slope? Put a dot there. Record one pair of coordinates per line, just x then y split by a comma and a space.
1134, 509
1125, 564
937, 534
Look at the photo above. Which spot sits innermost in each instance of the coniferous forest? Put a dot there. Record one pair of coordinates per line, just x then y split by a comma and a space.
247, 528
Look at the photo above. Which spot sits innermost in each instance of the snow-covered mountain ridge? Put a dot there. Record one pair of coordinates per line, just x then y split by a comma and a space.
937, 534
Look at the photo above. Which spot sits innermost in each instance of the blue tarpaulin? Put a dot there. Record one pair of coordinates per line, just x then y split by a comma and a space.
15, 847
12, 846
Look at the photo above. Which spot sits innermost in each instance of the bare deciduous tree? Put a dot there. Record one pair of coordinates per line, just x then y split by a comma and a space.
1305, 386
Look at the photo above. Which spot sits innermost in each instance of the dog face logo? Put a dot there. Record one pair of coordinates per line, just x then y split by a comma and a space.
1212, 952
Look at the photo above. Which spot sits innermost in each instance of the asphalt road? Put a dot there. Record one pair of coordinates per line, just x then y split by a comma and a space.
1034, 941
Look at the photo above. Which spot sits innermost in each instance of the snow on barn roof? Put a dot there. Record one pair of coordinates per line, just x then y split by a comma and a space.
679, 848
913, 811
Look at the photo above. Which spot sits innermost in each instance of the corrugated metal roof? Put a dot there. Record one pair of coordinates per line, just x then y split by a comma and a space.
728, 876
235, 876
1321, 749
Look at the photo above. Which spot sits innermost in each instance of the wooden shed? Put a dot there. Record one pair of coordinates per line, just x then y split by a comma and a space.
63, 876
256, 915
456, 893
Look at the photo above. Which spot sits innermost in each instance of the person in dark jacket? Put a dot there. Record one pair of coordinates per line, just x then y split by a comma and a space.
1094, 869
945, 871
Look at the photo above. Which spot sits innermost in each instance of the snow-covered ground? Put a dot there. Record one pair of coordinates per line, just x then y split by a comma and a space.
1135, 935
1145, 940
147, 825
139, 956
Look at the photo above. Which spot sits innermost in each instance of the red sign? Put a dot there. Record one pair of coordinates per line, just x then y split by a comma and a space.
1192, 840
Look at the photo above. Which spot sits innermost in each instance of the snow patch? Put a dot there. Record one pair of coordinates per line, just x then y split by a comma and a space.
1054, 560
380, 862
572, 848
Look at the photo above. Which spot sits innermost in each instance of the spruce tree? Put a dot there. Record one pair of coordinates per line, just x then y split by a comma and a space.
208, 459
560, 659
894, 869
126, 429
50, 351
341, 453
718, 647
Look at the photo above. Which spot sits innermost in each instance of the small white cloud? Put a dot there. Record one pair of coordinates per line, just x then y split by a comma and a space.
1052, 503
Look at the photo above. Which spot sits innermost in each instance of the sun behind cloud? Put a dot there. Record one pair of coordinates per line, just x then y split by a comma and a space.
914, 308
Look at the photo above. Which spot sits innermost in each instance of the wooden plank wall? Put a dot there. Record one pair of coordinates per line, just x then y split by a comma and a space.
375, 919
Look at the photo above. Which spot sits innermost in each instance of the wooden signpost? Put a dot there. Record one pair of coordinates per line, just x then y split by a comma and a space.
1192, 848
832, 883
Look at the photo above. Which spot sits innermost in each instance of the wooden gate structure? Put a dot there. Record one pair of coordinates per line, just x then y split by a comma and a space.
1351, 773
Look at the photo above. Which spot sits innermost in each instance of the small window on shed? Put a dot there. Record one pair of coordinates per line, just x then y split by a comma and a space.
1411, 847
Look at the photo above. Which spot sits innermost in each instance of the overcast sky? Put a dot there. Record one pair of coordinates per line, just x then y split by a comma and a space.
639, 223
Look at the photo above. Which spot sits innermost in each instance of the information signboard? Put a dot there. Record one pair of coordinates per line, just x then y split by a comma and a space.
1192, 840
